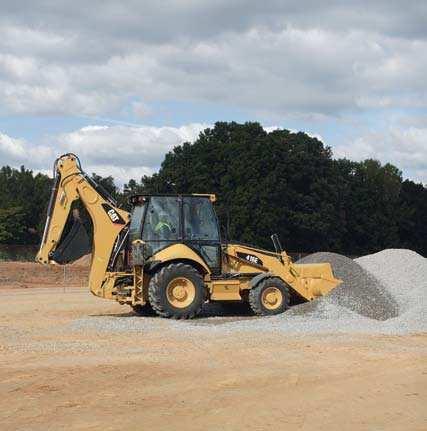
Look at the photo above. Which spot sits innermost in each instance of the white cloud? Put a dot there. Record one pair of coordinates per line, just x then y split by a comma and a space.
124, 152
121, 174
127, 146
404, 147
11, 148
281, 60
15, 152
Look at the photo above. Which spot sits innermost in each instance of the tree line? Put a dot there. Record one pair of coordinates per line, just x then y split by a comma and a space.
278, 182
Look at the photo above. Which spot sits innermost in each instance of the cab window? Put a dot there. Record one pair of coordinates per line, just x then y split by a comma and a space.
200, 222
162, 219
136, 222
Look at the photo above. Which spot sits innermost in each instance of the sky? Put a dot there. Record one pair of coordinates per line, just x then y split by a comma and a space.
122, 83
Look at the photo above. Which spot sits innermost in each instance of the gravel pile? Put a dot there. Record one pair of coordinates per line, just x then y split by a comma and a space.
360, 292
404, 272
383, 292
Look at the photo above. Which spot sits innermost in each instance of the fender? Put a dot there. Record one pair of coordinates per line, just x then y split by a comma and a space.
180, 252
258, 278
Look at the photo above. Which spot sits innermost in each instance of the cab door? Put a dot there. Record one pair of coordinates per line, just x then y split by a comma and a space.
161, 224
201, 230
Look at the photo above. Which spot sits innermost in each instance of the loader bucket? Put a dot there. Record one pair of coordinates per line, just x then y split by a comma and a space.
317, 278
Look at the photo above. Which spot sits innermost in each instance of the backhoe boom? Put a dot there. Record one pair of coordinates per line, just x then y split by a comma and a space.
71, 184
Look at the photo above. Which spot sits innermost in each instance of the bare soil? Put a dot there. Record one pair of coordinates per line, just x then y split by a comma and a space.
55, 375
29, 275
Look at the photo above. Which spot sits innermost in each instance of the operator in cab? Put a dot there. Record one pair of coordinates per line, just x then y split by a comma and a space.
164, 227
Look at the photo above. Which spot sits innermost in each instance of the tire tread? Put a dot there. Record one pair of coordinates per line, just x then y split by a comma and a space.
157, 284
255, 295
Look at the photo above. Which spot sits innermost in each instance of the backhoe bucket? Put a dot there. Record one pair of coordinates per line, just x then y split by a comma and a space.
75, 245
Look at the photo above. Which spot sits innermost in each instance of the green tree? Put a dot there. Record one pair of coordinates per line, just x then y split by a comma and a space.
26, 195
107, 183
278, 182
413, 216
267, 182
129, 189
371, 207
289, 183
12, 225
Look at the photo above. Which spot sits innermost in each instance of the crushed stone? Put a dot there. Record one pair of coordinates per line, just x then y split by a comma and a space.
360, 291
403, 272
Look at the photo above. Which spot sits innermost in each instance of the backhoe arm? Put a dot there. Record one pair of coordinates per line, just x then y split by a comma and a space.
70, 184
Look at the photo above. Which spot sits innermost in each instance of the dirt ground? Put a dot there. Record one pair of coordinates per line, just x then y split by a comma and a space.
24, 275
59, 375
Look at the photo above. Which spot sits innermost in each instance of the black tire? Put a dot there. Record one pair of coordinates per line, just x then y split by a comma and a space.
256, 297
160, 283
143, 310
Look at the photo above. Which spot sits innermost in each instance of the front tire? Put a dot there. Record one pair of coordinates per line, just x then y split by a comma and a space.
270, 296
177, 291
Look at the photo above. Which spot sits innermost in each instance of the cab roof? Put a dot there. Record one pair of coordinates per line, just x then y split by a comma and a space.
139, 198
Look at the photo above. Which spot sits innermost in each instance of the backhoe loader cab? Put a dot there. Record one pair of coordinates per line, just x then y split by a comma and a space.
161, 220
166, 255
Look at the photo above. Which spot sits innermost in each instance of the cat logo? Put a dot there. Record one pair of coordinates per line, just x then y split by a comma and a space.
112, 213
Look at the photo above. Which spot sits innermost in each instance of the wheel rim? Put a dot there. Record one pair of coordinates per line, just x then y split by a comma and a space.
180, 292
272, 298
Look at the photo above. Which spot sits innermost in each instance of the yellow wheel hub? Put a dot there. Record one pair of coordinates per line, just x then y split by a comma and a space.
272, 298
180, 292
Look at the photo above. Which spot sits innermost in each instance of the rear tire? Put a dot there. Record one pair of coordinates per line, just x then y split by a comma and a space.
270, 296
177, 291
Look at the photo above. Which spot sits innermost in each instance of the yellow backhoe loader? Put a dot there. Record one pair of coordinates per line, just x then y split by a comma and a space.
166, 255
